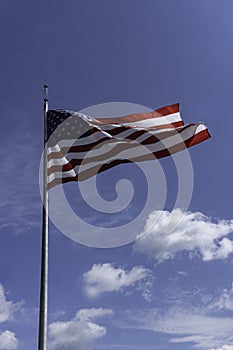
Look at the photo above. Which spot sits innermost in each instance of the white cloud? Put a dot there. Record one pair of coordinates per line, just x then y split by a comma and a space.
107, 278
192, 232
78, 333
8, 341
7, 308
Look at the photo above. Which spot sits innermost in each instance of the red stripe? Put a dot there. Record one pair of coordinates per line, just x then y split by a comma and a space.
60, 181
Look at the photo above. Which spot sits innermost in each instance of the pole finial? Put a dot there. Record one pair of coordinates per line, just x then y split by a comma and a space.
46, 91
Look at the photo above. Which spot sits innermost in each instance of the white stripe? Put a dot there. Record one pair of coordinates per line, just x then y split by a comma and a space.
200, 127
168, 119
57, 161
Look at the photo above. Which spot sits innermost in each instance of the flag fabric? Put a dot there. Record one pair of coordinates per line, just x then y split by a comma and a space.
80, 146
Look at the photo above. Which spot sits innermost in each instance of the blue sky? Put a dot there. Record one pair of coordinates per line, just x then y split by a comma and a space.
169, 290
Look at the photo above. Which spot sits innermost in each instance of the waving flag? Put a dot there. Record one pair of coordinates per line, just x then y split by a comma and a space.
80, 146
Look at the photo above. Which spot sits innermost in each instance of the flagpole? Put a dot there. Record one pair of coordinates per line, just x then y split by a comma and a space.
43, 312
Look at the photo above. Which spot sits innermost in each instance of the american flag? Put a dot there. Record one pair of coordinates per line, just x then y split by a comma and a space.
80, 146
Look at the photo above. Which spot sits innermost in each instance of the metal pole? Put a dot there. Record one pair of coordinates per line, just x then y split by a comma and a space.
43, 316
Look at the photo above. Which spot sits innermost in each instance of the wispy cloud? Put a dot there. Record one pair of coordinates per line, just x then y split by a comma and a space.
78, 333
225, 300
8, 341
20, 205
127, 346
145, 287
186, 326
188, 316
224, 347
103, 278
192, 232
183, 273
